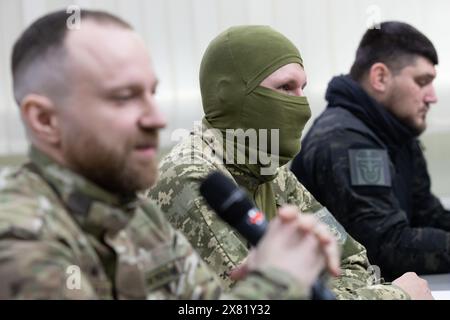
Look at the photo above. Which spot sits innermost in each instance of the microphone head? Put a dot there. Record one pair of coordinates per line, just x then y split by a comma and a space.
228, 200
216, 188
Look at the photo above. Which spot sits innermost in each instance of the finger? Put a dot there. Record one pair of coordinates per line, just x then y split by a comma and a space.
323, 233
328, 244
333, 260
307, 223
239, 272
288, 213
333, 257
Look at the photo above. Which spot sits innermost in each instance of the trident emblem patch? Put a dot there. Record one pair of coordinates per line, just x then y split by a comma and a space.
369, 167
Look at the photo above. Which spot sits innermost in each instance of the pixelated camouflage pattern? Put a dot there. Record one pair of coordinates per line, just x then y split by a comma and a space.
177, 193
52, 219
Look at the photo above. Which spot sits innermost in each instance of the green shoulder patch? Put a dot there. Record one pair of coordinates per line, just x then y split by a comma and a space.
369, 167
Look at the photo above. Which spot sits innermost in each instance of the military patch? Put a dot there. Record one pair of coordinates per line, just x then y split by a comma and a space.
369, 167
334, 226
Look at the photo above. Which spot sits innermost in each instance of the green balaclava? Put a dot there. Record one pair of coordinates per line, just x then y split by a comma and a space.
232, 68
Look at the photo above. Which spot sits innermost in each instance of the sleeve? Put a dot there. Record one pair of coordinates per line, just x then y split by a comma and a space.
196, 280
370, 211
268, 284
427, 209
177, 194
32, 269
358, 280
264, 284
40, 269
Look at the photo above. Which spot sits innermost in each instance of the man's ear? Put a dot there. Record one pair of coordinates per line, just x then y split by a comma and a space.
40, 116
379, 77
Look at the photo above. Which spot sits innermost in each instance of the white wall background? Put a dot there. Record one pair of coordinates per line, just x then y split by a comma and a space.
178, 31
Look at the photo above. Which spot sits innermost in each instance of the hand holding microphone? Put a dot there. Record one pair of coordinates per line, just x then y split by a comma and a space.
299, 245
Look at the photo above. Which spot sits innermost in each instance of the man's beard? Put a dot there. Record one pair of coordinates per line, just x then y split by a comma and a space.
408, 121
107, 168
416, 129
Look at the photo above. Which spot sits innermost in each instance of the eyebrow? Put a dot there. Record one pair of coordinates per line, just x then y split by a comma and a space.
131, 85
290, 80
428, 77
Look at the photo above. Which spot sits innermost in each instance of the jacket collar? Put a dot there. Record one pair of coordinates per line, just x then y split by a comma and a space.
95, 209
343, 92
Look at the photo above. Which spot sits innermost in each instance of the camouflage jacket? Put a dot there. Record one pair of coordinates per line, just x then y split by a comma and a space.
370, 171
62, 237
177, 193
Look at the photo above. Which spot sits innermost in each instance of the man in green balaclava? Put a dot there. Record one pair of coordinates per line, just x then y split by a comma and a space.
251, 80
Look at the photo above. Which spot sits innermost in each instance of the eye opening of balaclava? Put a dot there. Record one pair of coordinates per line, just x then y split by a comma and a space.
232, 68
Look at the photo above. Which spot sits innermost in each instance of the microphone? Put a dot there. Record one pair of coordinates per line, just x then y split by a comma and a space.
232, 205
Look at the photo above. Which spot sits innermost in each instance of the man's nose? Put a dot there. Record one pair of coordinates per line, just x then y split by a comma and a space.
299, 92
430, 95
152, 117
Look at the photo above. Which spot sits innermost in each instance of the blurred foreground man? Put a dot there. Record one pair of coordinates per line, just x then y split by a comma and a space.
70, 223
362, 158
252, 82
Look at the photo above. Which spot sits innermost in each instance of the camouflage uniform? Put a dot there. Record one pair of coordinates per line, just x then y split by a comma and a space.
53, 222
369, 170
177, 193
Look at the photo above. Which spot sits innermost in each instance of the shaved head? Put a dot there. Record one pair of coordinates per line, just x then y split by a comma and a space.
87, 98
40, 77
39, 58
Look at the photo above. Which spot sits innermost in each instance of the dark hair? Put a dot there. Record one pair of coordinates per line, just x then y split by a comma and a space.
48, 33
395, 44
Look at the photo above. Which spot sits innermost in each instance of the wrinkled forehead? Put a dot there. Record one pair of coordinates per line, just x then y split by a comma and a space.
106, 52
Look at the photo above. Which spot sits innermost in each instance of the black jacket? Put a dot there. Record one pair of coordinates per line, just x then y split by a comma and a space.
369, 170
